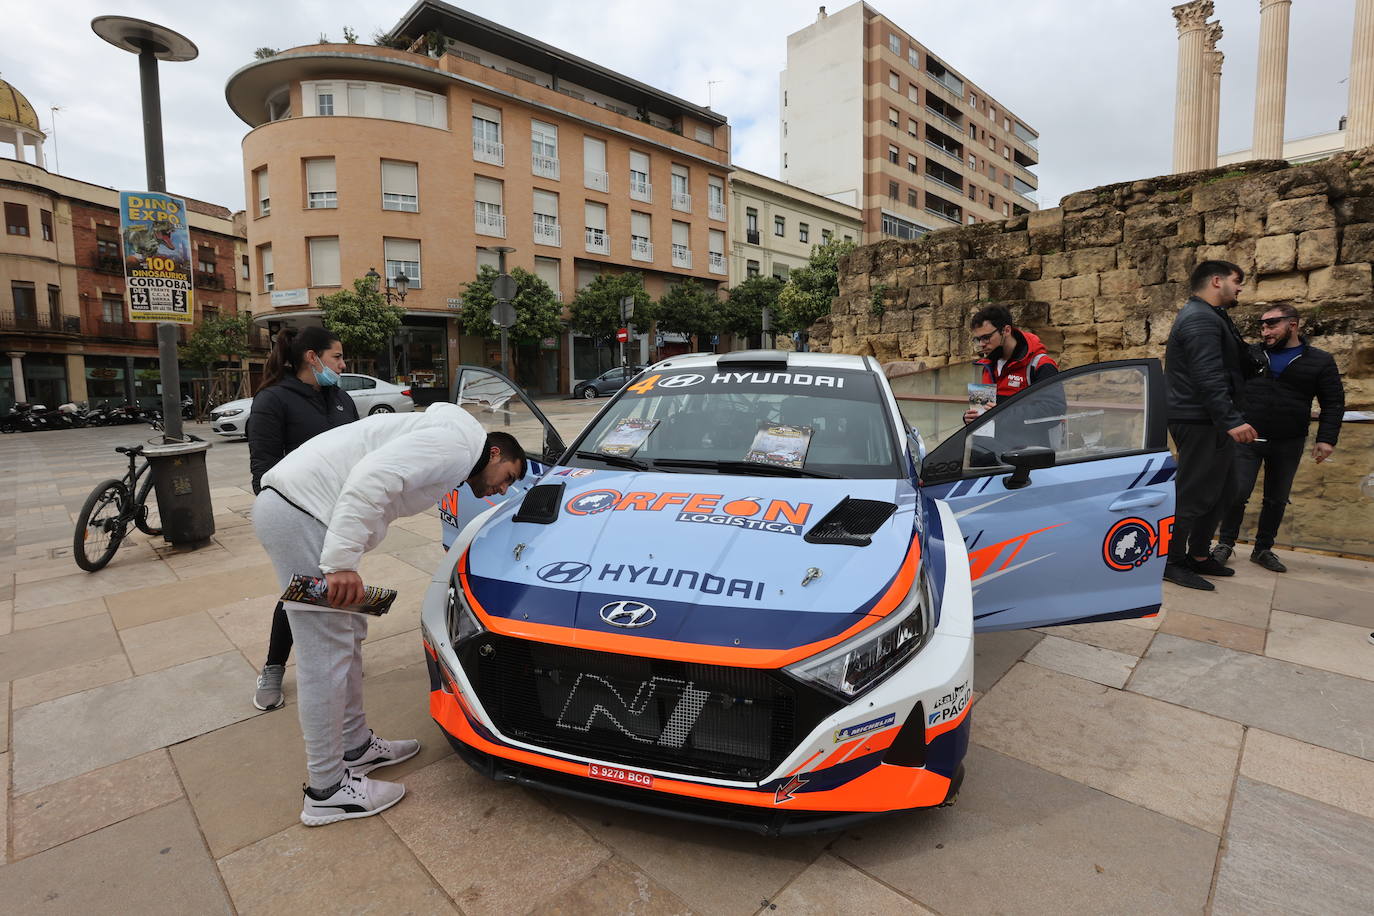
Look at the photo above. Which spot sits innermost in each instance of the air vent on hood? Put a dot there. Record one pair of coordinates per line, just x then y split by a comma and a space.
540, 505
852, 522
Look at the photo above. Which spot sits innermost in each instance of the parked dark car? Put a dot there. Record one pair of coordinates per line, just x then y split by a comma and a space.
607, 383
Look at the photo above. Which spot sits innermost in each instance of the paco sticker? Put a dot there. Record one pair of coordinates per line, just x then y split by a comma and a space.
864, 728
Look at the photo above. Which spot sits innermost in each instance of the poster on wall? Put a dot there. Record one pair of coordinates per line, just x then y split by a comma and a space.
157, 256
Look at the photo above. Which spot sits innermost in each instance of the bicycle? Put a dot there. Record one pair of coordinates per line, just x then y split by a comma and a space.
108, 511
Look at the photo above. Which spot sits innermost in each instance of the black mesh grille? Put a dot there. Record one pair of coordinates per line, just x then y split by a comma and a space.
852, 521
710, 720
540, 504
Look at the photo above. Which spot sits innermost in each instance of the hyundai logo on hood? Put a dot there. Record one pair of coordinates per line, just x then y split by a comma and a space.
564, 573
628, 614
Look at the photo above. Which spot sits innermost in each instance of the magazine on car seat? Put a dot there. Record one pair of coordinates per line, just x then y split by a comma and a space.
310, 593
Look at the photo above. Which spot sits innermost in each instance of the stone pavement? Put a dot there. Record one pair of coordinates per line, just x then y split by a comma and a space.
1219, 756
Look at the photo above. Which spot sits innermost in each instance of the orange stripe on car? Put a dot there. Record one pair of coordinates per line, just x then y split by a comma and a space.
943, 727
981, 560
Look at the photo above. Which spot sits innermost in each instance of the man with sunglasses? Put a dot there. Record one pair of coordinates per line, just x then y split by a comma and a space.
1013, 359
1278, 404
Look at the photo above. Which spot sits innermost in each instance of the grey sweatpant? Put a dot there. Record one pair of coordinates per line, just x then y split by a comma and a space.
329, 644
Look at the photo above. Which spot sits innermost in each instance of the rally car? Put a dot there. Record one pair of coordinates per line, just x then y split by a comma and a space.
746, 594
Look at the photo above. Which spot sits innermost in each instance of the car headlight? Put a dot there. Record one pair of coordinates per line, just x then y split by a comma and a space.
861, 662
232, 412
462, 622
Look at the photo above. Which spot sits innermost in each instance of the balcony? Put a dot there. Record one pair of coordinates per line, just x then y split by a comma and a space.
597, 181
30, 323
118, 330
492, 151
544, 166
209, 280
940, 181
948, 154
641, 190
489, 223
718, 210
547, 233
946, 118
751, 236
641, 249
944, 209
682, 201
598, 242
109, 264
682, 256
716, 263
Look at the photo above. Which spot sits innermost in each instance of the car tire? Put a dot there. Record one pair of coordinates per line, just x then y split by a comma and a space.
381, 408
589, 393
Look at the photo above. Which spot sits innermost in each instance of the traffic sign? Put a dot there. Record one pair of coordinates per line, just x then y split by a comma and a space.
622, 335
503, 287
503, 315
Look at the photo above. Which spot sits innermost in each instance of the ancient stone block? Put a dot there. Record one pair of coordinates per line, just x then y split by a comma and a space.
1181, 262
1068, 313
1079, 287
1189, 230
895, 320
948, 315
1052, 218
1149, 227
1110, 337
1216, 195
1357, 244
945, 272
885, 346
984, 269
1025, 268
1092, 260
1080, 232
923, 296
1317, 248
1299, 215
1052, 338
1006, 245
945, 245
960, 294
1217, 227
1276, 254
1342, 281
1055, 265
1045, 241
1003, 290
1161, 297
1033, 314
1044, 289
1079, 200
913, 345
1112, 308
1281, 287
1118, 282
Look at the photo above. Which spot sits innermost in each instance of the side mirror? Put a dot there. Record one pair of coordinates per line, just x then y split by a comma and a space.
1025, 460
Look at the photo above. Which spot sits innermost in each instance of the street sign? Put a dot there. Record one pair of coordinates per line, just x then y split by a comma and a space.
503, 314
503, 287
627, 307
156, 243
455, 302
298, 296
622, 335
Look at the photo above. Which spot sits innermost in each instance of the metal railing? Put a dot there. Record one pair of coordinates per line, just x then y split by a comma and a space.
119, 330
490, 223
597, 181
682, 256
598, 242
716, 263
544, 166
641, 190
952, 187
641, 249
943, 215
957, 157
718, 210
40, 323
946, 118
751, 236
492, 151
546, 233
682, 202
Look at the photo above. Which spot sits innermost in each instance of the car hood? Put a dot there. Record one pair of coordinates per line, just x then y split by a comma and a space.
722, 561
240, 404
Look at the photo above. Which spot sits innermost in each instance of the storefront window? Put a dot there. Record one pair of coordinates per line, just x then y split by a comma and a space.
45, 379
147, 387
106, 377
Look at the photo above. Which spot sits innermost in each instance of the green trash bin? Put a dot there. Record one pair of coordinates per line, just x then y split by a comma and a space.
183, 491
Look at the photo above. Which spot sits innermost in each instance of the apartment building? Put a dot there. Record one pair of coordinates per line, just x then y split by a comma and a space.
776, 225
64, 327
421, 161
873, 118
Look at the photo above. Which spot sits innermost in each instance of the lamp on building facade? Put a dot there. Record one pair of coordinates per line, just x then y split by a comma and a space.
395, 288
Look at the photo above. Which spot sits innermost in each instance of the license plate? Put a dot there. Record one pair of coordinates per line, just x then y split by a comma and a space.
616, 774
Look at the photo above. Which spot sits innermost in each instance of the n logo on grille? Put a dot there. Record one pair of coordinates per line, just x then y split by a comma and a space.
594, 702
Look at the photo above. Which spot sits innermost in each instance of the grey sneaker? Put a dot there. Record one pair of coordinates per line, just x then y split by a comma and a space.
269, 694
379, 752
1267, 559
355, 796
1222, 553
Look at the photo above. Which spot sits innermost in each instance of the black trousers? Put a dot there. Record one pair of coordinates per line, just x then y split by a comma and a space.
1280, 458
1203, 489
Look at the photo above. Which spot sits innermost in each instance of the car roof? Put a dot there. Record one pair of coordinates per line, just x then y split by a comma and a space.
756, 358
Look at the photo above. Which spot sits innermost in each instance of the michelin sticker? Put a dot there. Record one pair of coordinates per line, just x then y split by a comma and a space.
865, 728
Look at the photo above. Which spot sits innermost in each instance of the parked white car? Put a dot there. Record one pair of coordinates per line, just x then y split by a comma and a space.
372, 395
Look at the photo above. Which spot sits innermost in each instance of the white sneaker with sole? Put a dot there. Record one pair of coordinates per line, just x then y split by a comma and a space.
382, 753
356, 796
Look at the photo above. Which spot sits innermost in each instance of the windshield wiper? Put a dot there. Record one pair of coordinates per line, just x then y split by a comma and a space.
741, 467
620, 461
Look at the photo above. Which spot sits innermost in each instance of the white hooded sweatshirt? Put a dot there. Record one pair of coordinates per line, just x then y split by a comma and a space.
359, 478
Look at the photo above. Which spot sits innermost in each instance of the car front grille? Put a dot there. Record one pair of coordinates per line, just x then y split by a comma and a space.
703, 720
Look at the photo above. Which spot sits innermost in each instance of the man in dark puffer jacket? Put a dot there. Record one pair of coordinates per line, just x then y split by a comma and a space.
1278, 403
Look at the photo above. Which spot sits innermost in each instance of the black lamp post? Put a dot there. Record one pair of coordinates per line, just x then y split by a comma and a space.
395, 289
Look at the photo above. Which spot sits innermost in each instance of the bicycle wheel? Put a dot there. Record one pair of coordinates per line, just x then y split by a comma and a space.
145, 514
100, 526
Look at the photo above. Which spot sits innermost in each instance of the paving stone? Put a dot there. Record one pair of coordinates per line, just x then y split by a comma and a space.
355, 866
1217, 632
1116, 635
1023, 840
1340, 647
715, 870
1335, 779
1082, 660
1338, 571
399, 651
6, 616
398, 538
27, 652
1275, 695
494, 847
85, 731
61, 682
84, 804
1168, 759
995, 653
830, 886
175, 641
1233, 601
4, 806
1331, 602
125, 572
247, 622
59, 613
614, 887
425, 558
146, 605
1289, 854
151, 864
4, 718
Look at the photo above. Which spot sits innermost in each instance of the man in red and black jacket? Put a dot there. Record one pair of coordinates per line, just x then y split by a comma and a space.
1013, 359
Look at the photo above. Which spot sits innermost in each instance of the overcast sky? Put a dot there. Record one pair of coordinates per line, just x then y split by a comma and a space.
1094, 77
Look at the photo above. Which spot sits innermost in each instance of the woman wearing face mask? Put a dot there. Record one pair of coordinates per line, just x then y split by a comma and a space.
299, 398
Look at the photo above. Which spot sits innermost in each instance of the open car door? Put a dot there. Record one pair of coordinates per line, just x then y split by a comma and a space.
1065, 496
499, 405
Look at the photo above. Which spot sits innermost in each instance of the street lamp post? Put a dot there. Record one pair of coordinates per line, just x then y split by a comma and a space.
395, 290
503, 289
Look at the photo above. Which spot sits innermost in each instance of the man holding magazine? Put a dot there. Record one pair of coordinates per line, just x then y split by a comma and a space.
321, 508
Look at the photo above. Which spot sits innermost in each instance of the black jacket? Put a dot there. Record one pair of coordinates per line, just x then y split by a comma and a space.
1206, 364
1280, 407
288, 414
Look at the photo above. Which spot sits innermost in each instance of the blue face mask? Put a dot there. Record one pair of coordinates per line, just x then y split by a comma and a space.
325, 377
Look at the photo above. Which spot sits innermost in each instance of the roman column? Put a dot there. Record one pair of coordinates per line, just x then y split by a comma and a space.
1359, 125
1271, 81
1191, 93
1211, 110
17, 369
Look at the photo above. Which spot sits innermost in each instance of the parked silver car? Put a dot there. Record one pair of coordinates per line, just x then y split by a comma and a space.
372, 395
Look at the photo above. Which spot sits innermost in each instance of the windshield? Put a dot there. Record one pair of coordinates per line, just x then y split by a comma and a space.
821, 422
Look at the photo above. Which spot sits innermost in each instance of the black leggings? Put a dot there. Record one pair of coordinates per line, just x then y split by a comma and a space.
279, 643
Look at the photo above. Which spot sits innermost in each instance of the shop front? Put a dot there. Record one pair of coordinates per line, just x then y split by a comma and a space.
417, 357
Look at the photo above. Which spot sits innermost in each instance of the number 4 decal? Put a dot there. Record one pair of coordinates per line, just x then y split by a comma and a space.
645, 386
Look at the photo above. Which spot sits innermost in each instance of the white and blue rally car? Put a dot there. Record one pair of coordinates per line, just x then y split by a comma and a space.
747, 594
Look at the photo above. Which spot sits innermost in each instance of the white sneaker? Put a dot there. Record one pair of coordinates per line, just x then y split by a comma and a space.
382, 753
356, 796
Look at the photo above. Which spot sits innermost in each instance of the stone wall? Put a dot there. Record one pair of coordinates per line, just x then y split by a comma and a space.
1101, 277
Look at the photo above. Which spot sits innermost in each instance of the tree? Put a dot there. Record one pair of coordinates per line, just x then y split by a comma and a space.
364, 321
595, 310
811, 289
688, 308
742, 311
536, 308
264, 53
350, 36
216, 339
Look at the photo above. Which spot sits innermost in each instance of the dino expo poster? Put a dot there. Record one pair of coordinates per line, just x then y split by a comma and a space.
157, 256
